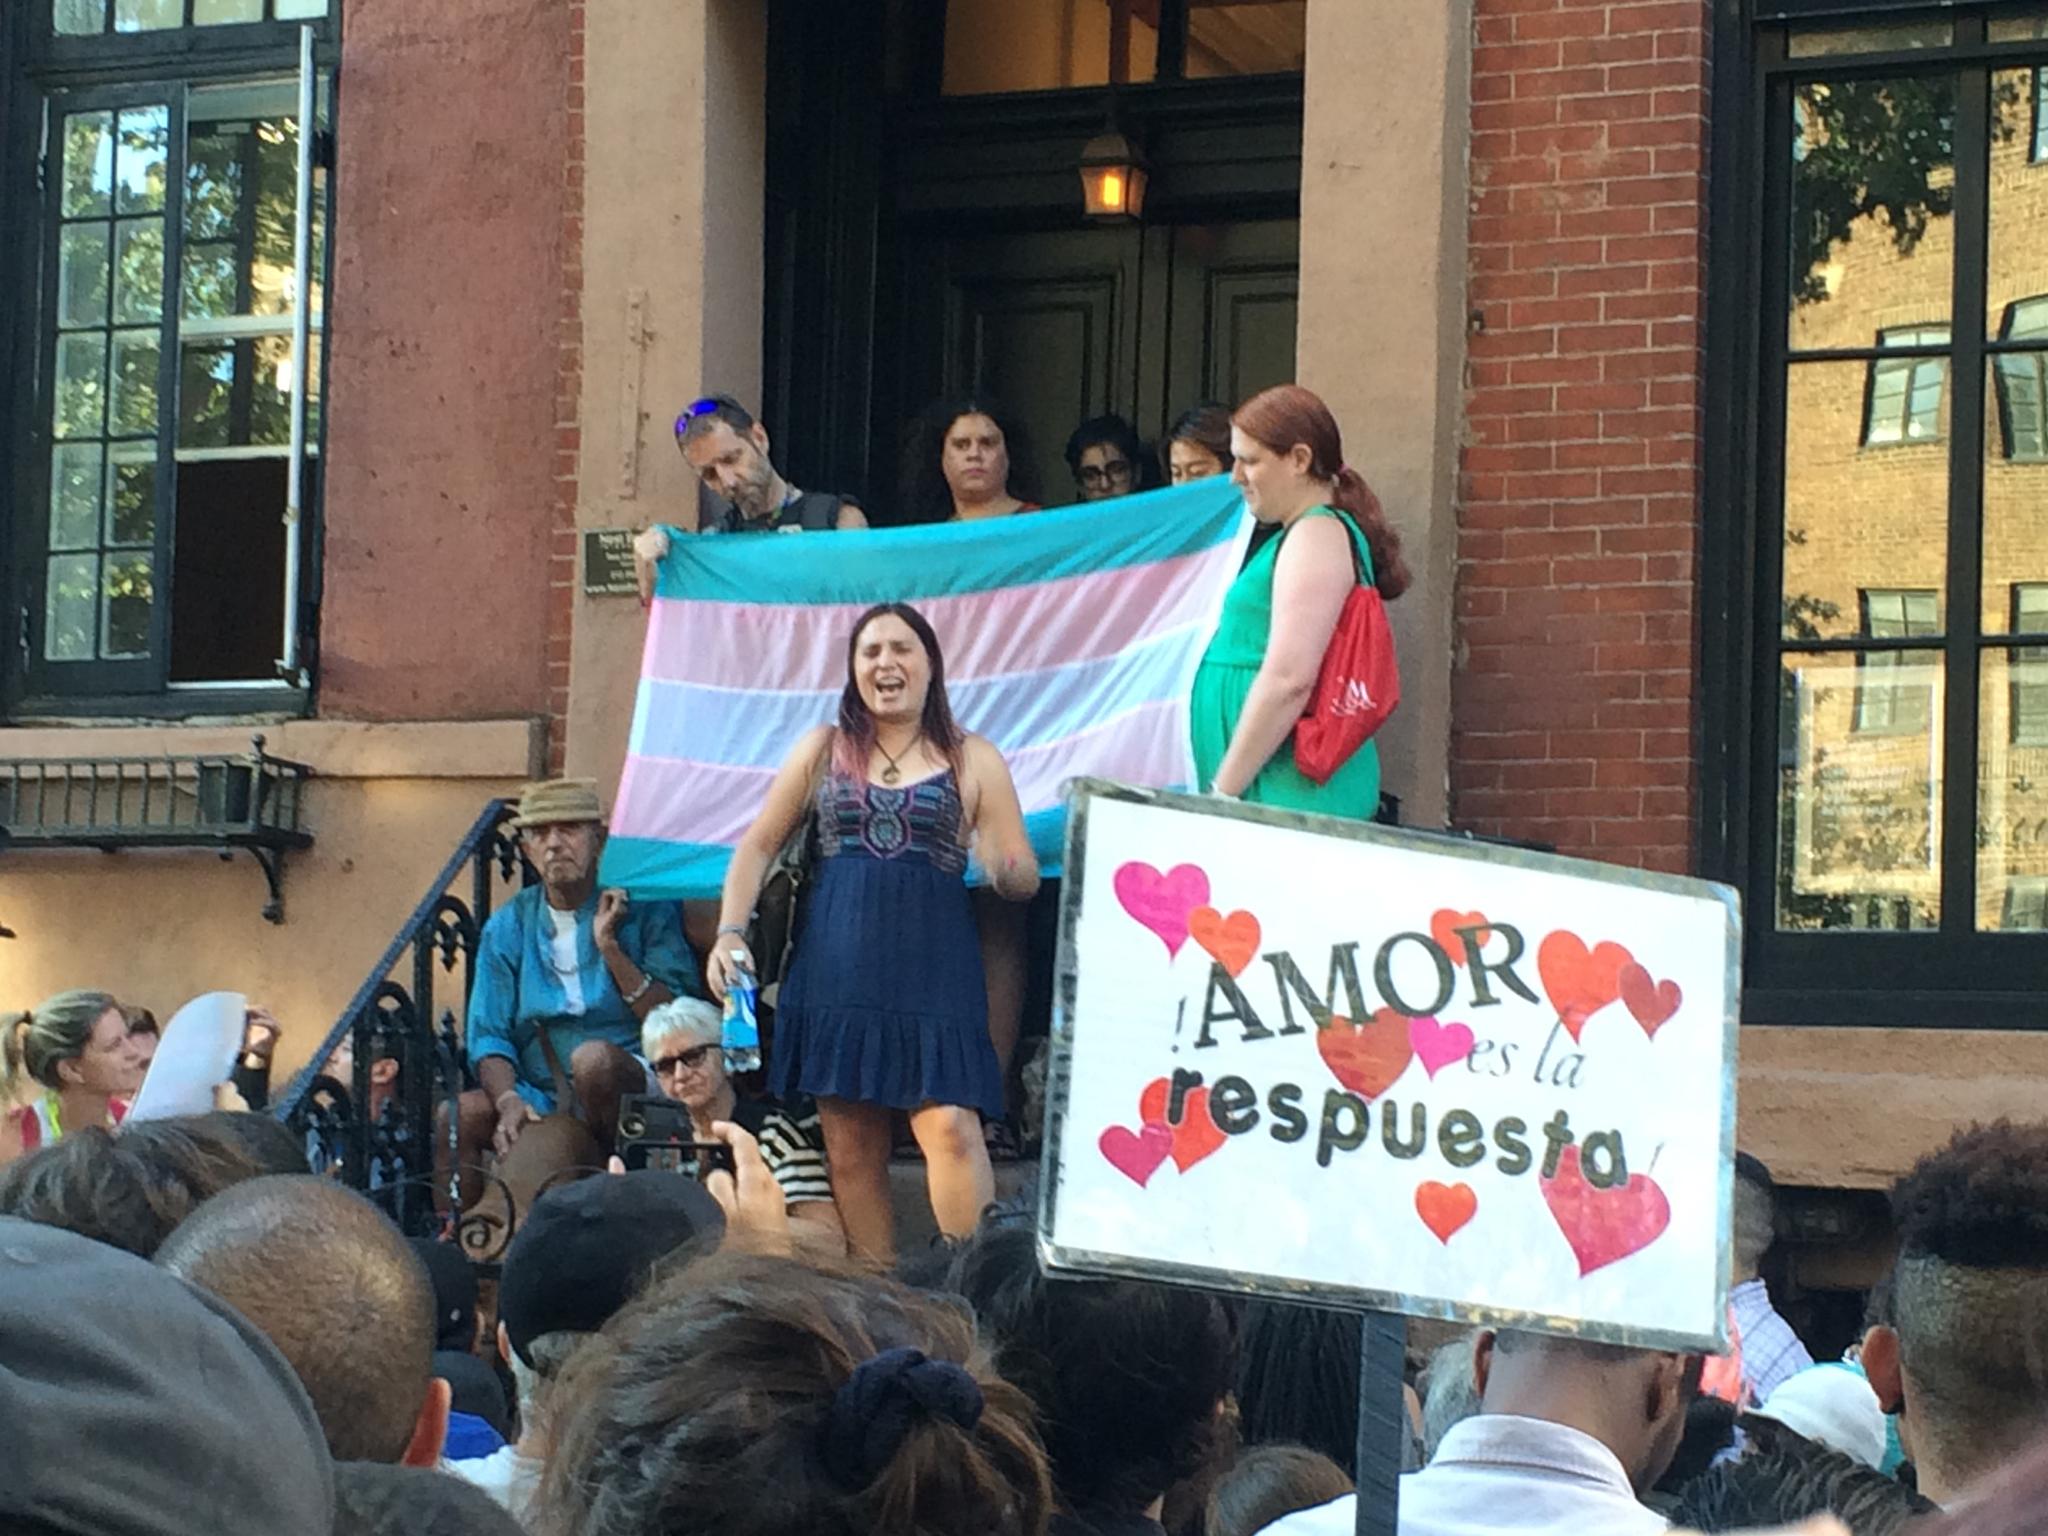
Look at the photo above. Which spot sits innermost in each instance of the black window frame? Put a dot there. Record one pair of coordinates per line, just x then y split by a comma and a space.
1948, 976
41, 71
1910, 359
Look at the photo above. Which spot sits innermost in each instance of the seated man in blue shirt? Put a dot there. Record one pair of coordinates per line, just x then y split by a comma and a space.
582, 965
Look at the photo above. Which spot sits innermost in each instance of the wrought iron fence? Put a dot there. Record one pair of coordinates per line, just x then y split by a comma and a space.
378, 1128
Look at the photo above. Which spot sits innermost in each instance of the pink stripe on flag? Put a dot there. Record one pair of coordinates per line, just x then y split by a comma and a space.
1005, 629
679, 800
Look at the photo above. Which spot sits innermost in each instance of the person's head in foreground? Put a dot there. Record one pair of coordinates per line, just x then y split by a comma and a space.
1633, 1401
1965, 1364
372, 1499
334, 1285
1128, 1377
1790, 1481
130, 1189
748, 1396
1267, 1482
136, 1405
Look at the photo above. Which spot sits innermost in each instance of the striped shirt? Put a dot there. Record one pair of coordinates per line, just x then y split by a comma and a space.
792, 1143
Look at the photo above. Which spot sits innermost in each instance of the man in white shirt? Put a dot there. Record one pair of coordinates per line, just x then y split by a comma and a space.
1568, 1435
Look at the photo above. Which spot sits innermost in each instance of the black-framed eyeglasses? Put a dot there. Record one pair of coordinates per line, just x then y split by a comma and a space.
691, 1060
1106, 474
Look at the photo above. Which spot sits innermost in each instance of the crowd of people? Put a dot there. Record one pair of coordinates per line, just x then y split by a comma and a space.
207, 1332
202, 1335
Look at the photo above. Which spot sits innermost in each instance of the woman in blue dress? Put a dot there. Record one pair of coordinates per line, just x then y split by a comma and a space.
885, 1007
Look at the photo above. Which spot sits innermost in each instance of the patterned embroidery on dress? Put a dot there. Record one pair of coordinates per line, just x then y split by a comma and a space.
920, 820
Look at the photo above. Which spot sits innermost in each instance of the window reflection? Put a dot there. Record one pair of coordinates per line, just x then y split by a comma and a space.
1906, 392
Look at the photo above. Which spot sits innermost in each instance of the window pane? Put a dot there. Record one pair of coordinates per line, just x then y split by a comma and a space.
2015, 486
75, 479
1000, 45
1835, 41
131, 504
213, 13
127, 597
88, 163
2012, 788
1872, 207
205, 392
82, 275
142, 147
77, 17
1859, 810
81, 385
1857, 518
70, 603
2018, 29
300, 10
209, 288
213, 182
136, 358
139, 272
2018, 266
148, 15
241, 188
1258, 39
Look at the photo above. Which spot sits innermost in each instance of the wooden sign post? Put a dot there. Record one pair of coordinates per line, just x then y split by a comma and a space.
1333, 1062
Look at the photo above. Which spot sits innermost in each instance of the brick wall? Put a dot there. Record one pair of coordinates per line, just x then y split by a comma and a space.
562, 551
1572, 697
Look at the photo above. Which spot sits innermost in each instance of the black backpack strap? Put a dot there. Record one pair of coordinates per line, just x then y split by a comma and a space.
814, 511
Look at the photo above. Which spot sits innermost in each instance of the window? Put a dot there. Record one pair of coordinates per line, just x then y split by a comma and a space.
1905, 392
1893, 691
2040, 114
1876, 715
1041, 45
2023, 381
2029, 700
168, 382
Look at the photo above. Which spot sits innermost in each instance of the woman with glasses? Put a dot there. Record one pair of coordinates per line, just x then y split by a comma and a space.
680, 1040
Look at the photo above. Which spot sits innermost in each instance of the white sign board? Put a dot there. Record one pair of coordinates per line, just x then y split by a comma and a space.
1335, 1061
194, 1057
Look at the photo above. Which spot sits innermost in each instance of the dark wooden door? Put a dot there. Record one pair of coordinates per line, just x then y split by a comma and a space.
1068, 324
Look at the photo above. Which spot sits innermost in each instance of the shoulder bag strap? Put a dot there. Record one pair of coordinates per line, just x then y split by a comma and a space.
564, 1083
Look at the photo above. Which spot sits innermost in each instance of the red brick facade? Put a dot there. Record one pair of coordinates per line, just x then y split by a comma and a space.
1572, 698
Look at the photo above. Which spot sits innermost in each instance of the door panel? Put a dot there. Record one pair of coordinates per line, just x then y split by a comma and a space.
1069, 324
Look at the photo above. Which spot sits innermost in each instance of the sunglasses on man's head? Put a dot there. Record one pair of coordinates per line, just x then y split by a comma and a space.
710, 405
689, 1061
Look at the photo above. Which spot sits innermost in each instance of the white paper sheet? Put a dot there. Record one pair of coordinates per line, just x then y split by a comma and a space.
196, 1055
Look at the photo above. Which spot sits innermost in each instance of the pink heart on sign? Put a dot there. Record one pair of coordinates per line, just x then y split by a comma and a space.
1439, 1045
1137, 1157
1163, 902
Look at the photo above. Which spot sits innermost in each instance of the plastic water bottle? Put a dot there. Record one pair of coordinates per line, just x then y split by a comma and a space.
740, 1034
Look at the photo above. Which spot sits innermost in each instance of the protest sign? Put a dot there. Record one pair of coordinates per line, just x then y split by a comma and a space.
194, 1057
1399, 1072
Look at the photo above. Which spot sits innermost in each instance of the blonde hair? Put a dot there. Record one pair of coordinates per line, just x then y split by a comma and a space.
57, 1030
690, 1016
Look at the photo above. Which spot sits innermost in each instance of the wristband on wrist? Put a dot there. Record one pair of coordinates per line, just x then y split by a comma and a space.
734, 929
640, 991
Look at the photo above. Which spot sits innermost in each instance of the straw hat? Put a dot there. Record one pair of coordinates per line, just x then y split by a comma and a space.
558, 800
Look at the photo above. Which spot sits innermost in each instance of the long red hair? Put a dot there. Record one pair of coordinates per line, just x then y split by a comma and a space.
1287, 414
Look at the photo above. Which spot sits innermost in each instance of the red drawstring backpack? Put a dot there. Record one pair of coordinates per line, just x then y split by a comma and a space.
1359, 685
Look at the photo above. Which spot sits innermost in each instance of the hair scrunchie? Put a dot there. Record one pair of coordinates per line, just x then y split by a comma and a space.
874, 1408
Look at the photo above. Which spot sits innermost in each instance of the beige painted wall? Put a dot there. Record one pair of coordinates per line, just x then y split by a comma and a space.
672, 232
158, 927
1380, 280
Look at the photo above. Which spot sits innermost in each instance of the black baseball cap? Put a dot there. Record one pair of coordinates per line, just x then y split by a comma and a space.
137, 1405
586, 1248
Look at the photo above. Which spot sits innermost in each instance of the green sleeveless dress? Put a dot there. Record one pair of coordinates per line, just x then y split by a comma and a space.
1225, 678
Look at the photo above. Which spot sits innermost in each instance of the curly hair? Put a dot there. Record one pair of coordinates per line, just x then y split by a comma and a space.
1982, 1200
128, 1191
700, 1407
1783, 1485
1126, 1375
926, 498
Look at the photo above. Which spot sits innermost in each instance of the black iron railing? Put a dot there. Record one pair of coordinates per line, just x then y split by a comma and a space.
377, 1130
217, 800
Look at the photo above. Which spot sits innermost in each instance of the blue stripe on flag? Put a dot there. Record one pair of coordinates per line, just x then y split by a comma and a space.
955, 558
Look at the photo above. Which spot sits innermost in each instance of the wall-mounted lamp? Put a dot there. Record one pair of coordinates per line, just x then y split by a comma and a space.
1113, 176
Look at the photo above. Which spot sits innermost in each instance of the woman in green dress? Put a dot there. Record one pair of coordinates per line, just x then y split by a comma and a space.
1260, 670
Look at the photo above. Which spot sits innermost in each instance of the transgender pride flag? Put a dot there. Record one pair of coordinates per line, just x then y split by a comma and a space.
1071, 640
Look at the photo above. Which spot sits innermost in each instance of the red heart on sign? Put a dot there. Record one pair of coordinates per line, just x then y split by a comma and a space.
1444, 925
1604, 1225
1197, 1134
1444, 1208
1136, 1154
1232, 940
1652, 1002
1580, 981
1368, 1057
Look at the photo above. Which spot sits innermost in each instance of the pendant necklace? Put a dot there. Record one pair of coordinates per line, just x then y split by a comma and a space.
892, 773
